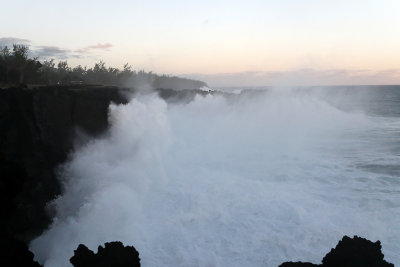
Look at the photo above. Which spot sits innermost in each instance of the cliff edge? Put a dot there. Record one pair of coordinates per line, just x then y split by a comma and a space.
37, 130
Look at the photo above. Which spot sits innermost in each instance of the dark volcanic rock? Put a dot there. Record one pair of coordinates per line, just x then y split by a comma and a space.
350, 252
15, 253
183, 96
298, 264
114, 254
37, 129
355, 252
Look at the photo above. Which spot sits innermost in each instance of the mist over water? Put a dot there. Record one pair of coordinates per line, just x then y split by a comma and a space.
254, 180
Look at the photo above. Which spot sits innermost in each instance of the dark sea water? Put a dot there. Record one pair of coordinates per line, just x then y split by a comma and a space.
382, 105
380, 101
253, 179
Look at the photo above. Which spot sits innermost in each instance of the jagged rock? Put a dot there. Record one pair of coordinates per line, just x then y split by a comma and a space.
356, 252
298, 264
37, 129
15, 253
350, 252
114, 254
183, 96
37, 132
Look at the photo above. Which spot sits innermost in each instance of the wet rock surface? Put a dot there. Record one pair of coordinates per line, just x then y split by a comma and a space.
37, 130
355, 252
113, 254
15, 253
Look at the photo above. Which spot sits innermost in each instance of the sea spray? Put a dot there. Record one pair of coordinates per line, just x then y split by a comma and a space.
249, 181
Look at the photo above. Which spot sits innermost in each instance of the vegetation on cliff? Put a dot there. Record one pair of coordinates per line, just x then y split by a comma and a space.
16, 67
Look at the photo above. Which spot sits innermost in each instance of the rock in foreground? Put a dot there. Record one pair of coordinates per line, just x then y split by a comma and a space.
15, 253
350, 252
114, 254
38, 129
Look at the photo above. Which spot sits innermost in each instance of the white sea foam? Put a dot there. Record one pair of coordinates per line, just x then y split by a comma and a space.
206, 89
254, 181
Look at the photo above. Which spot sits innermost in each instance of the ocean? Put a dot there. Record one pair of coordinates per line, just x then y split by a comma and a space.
253, 178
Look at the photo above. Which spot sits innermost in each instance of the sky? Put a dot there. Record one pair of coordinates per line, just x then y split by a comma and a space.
224, 43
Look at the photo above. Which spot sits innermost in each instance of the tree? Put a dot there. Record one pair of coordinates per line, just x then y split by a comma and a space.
48, 71
31, 71
100, 67
63, 72
17, 67
20, 59
78, 73
5, 55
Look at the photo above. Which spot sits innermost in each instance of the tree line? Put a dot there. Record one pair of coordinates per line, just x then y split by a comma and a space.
16, 67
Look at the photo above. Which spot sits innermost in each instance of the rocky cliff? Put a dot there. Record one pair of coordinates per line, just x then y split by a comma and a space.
37, 130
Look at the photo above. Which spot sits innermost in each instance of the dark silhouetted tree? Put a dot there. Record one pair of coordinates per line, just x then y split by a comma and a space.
20, 60
17, 67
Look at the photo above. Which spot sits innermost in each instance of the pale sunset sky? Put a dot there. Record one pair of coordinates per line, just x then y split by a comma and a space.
224, 43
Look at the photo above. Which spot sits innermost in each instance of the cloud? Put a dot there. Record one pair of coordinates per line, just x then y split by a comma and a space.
301, 77
46, 51
61, 53
9, 41
99, 46
53, 52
